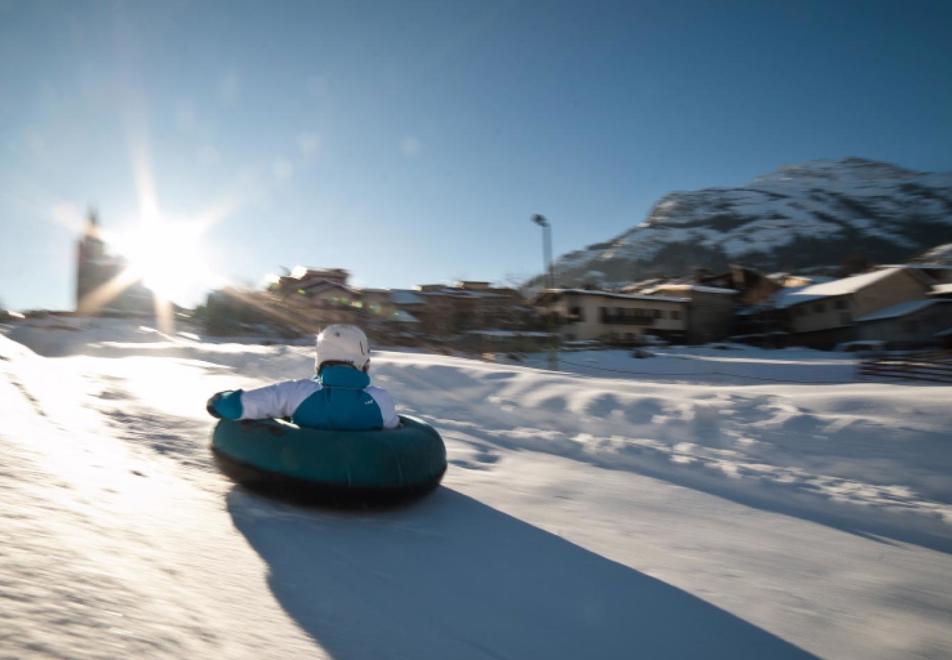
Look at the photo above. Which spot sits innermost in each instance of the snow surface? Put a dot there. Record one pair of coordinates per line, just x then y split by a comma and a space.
680, 505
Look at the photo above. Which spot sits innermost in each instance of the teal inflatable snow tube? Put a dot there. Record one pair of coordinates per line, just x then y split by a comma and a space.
343, 466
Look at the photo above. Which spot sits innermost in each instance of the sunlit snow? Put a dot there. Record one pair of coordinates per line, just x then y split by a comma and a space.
717, 502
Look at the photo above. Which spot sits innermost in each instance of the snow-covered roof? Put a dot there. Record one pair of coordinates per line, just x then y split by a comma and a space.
466, 293
404, 297
941, 289
789, 296
643, 284
454, 292
782, 278
623, 296
700, 288
841, 287
902, 309
920, 266
316, 286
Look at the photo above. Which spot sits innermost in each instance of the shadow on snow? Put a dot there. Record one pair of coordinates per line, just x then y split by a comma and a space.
450, 577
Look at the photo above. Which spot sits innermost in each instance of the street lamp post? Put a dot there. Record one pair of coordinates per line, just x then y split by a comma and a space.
550, 284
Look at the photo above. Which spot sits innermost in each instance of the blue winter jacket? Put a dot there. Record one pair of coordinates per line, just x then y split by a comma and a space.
340, 398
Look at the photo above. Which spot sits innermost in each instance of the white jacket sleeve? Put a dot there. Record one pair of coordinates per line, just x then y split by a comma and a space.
388, 411
278, 400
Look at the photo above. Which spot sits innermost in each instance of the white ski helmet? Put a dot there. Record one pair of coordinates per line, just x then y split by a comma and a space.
343, 343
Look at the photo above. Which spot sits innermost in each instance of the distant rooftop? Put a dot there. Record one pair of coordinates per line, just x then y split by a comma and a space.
405, 297
902, 309
623, 296
700, 288
941, 289
472, 285
841, 287
317, 285
300, 272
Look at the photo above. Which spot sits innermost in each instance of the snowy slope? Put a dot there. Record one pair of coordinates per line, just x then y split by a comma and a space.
675, 506
810, 214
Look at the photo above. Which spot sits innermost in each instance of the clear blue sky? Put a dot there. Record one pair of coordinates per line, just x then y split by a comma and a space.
411, 141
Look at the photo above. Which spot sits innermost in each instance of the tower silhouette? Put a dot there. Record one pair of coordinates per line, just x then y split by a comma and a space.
100, 277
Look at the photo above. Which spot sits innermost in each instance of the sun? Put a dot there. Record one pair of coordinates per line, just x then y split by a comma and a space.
169, 259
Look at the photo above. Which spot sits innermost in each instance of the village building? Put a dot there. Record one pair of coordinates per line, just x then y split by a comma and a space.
316, 297
931, 274
384, 317
324, 296
751, 286
908, 325
620, 318
303, 276
332, 302
710, 310
409, 305
823, 315
470, 305
764, 323
943, 292
377, 304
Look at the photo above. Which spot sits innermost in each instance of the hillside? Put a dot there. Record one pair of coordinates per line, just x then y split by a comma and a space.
801, 216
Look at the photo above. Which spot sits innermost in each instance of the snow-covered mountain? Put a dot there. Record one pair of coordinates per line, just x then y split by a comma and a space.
813, 214
940, 254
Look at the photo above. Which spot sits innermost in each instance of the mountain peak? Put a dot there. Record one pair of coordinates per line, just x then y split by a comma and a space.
850, 169
804, 215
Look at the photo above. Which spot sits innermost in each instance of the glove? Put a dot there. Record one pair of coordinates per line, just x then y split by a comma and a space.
210, 406
225, 405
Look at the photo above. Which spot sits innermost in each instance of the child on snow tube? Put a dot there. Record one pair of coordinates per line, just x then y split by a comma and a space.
339, 397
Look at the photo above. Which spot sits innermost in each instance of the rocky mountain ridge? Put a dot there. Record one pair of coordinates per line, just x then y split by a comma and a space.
804, 216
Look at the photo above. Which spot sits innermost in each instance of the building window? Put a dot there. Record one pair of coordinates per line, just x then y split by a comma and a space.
675, 314
819, 307
577, 314
657, 313
841, 303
